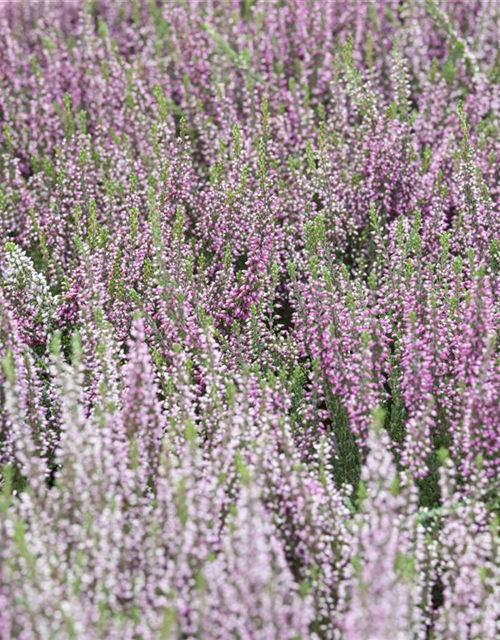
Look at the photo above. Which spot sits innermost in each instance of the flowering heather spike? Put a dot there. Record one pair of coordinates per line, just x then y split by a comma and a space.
468, 555
380, 602
261, 595
229, 232
22, 426
143, 419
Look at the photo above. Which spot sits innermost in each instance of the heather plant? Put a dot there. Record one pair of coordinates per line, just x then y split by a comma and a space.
249, 281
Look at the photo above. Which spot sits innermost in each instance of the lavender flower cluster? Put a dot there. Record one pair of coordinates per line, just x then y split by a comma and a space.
249, 306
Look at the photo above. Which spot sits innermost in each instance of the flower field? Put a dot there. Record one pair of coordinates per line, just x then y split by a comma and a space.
249, 318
